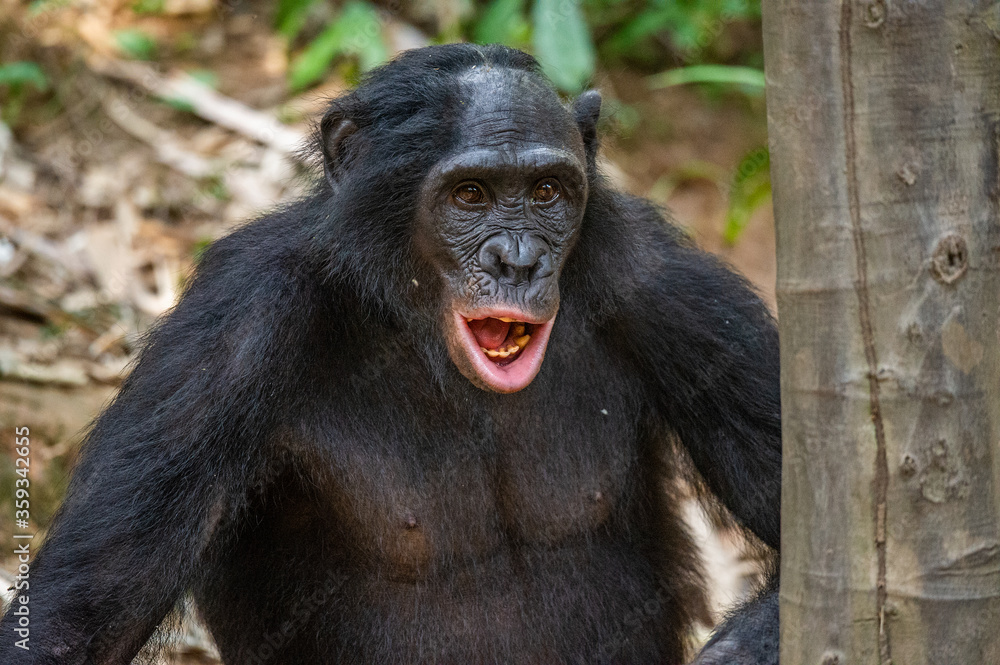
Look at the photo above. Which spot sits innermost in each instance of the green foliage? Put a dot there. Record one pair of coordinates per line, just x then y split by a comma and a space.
691, 25
356, 32
747, 77
566, 36
503, 22
291, 17
16, 75
136, 44
748, 187
751, 189
563, 44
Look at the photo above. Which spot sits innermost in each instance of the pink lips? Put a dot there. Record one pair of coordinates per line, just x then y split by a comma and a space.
498, 375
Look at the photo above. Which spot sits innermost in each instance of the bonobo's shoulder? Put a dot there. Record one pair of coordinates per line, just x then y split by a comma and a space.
627, 242
258, 266
649, 234
649, 260
258, 249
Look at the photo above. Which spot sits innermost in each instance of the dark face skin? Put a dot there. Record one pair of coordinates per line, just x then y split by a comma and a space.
497, 218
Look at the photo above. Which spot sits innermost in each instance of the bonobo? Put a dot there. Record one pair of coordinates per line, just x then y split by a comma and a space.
435, 411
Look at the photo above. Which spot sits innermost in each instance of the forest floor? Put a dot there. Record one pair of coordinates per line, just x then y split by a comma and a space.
112, 181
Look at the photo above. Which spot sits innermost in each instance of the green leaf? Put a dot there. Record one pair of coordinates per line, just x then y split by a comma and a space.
739, 215
731, 74
365, 30
136, 44
563, 44
503, 22
291, 17
23, 72
751, 189
638, 28
357, 31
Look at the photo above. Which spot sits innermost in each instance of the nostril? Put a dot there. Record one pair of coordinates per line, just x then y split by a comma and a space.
537, 268
512, 259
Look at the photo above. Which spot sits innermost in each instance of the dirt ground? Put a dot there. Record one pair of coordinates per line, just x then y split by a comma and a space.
108, 193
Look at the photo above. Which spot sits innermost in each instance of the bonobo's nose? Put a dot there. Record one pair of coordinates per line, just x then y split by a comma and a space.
514, 259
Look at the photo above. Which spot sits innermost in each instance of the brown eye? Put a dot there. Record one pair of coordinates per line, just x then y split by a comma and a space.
546, 191
469, 193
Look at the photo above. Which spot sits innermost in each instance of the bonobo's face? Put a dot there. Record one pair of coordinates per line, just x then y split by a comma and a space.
497, 219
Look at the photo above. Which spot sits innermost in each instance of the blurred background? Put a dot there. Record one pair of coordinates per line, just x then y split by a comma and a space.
135, 132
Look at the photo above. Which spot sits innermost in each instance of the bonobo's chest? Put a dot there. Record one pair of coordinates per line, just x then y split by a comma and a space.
427, 489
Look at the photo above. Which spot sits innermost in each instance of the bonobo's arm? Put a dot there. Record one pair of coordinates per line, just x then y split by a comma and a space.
164, 470
708, 349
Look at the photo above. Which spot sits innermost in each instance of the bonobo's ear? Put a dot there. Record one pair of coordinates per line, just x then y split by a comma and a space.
335, 128
586, 112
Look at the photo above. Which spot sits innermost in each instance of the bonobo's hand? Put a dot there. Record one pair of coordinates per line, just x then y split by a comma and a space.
748, 637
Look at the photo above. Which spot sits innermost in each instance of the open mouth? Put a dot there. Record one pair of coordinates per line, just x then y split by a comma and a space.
505, 349
501, 339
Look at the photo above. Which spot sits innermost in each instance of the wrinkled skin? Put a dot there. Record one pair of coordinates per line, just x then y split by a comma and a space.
502, 255
436, 411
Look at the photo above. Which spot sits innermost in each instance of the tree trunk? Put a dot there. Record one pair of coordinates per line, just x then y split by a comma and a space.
884, 118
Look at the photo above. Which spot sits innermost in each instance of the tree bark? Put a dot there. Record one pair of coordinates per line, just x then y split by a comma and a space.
884, 118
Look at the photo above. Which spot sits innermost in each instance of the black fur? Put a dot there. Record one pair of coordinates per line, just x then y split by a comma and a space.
296, 447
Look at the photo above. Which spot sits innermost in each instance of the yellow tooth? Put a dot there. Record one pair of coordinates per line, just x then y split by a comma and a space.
469, 320
491, 353
518, 330
522, 341
506, 320
504, 353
